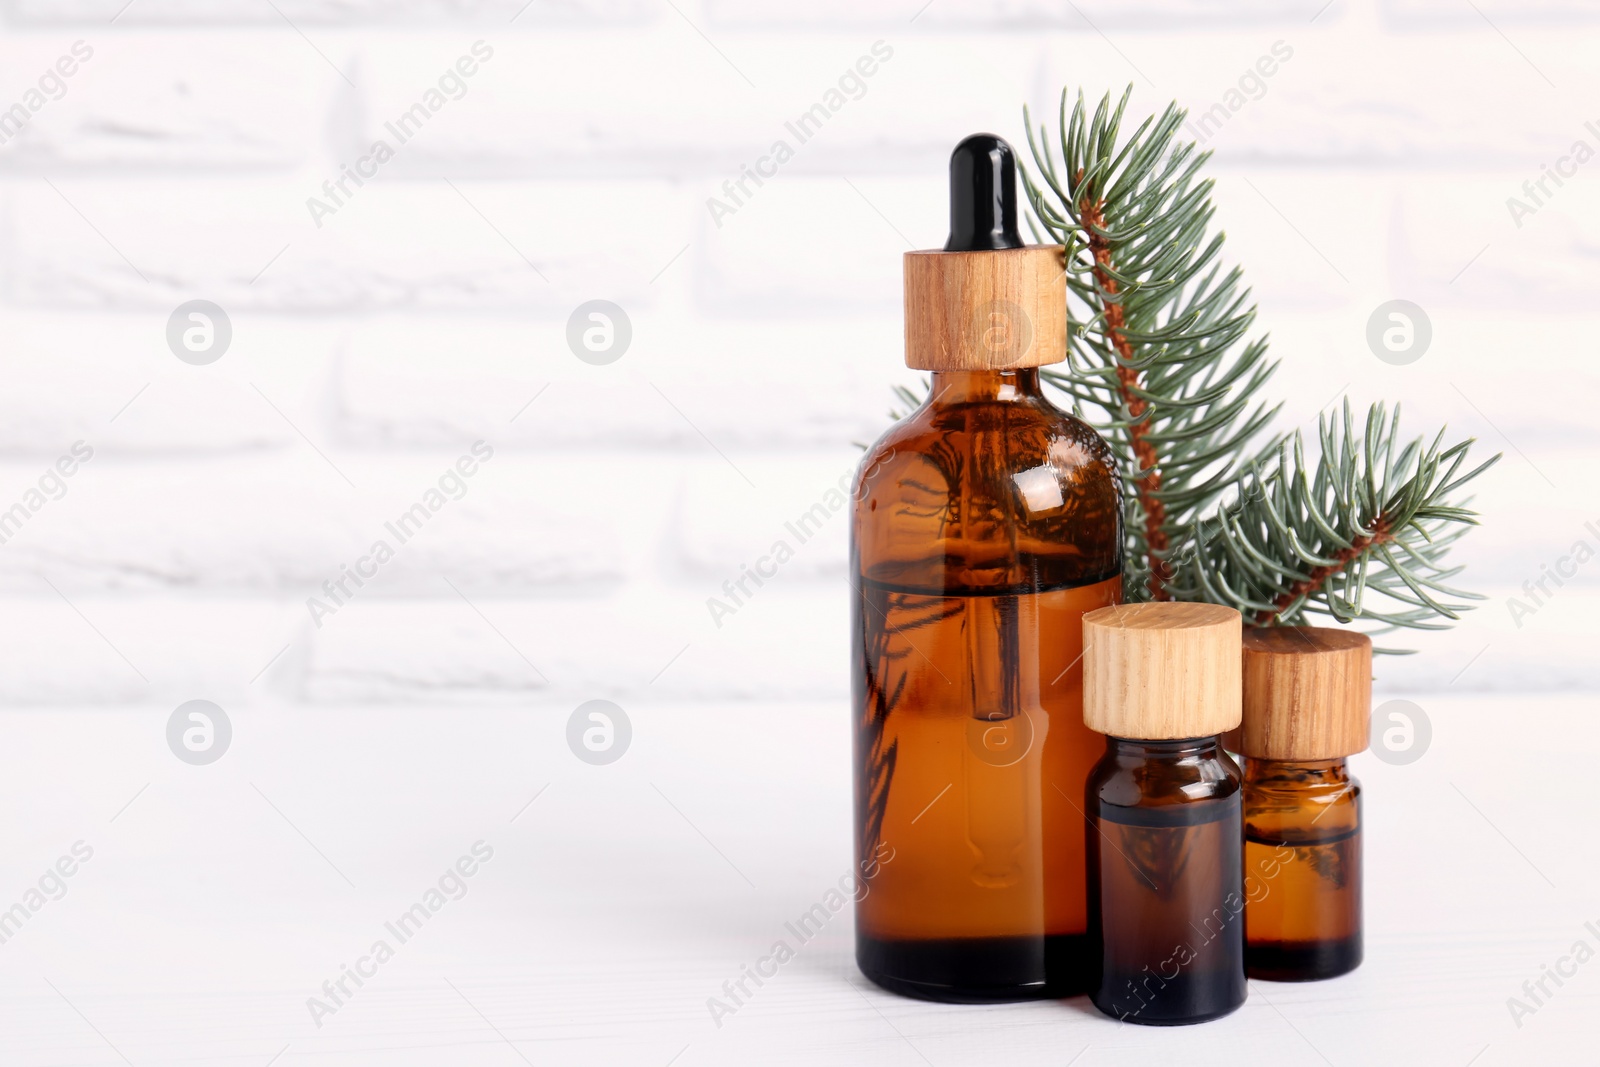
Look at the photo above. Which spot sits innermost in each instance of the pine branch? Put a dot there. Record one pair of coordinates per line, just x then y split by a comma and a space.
1368, 522
1160, 364
1154, 354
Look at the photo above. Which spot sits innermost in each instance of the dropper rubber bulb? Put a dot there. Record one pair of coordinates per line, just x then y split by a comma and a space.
983, 196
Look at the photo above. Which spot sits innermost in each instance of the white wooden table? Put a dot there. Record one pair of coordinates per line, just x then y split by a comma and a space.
218, 899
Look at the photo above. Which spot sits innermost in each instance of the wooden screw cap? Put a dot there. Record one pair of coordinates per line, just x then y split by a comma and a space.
1157, 672
1001, 309
1307, 693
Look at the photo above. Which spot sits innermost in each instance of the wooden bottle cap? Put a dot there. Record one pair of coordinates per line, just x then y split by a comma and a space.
1156, 672
1307, 693
999, 309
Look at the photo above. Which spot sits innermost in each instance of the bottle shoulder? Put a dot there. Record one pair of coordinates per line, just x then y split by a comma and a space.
1306, 806
1033, 433
989, 489
1122, 781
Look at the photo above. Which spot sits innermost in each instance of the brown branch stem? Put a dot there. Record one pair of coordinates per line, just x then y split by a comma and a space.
1380, 534
1148, 484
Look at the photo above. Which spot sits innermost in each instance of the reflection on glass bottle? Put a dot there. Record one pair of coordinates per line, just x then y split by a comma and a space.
997, 770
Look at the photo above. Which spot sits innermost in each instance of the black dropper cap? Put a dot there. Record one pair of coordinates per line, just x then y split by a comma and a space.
983, 196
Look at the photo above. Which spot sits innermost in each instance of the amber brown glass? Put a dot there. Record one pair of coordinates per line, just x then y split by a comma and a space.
986, 523
1302, 851
1165, 881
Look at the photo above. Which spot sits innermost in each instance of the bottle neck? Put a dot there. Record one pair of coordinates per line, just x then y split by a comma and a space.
1304, 774
1187, 748
966, 386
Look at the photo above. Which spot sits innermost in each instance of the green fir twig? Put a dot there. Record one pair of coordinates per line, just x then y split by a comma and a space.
1160, 363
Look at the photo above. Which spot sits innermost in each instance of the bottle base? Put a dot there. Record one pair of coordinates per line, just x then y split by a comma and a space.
1302, 961
1189, 997
1184, 1020
977, 970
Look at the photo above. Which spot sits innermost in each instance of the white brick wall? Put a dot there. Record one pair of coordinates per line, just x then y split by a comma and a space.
427, 311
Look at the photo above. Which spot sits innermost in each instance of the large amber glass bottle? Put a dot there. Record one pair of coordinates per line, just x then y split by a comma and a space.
986, 524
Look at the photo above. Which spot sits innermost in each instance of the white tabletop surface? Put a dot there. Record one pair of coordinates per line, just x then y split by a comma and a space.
218, 899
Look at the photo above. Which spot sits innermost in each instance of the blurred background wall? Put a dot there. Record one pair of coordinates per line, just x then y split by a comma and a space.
380, 331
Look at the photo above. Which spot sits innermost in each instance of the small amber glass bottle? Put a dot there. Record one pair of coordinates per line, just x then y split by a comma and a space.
985, 524
1163, 804
1307, 697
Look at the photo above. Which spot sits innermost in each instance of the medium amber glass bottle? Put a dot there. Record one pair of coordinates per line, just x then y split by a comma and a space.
1307, 697
986, 523
1165, 877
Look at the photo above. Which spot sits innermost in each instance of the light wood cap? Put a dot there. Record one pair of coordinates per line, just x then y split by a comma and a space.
988, 310
1307, 693
1161, 671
